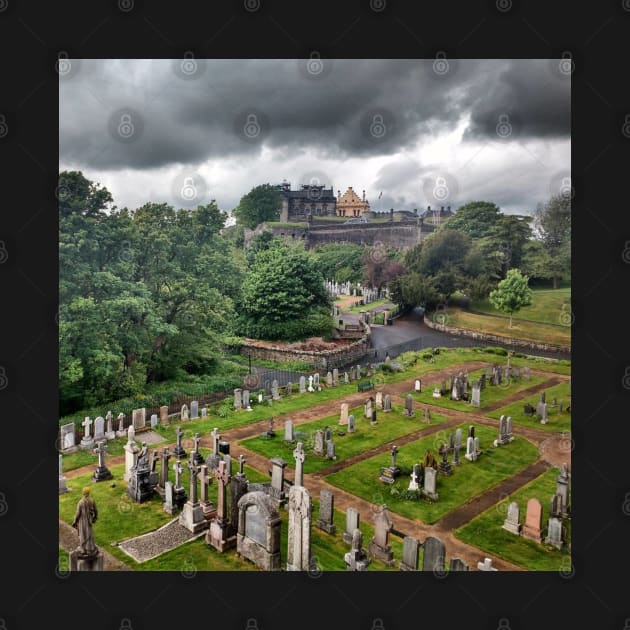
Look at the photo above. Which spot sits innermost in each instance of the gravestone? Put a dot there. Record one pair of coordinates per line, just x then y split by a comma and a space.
533, 521
299, 456
319, 445
131, 452
482, 382
352, 523
346, 379
219, 535
299, 543
528, 410
139, 487
246, 400
327, 434
410, 554
164, 415
471, 453
68, 437
154, 420
335, 375
276, 491
457, 564
414, 484
213, 459
367, 408
343, 417
99, 429
379, 400
408, 411
63, 488
373, 421
387, 403
102, 473
121, 432
288, 430
516, 372
330, 450
511, 523
258, 536
194, 410
476, 447
207, 507
326, 511
445, 467
183, 414
163, 476
430, 483
139, 418
195, 455
562, 489
275, 394
476, 394
379, 546
169, 498
526, 373
87, 442
486, 565
192, 516
329, 379
554, 533
351, 428
543, 413
288, 388
302, 384
418, 385
110, 434
458, 438
179, 451
316, 384
356, 559
358, 372
434, 555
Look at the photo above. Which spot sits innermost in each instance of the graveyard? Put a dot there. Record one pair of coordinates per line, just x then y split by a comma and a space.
363, 470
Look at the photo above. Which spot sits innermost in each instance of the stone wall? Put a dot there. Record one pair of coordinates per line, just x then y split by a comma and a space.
320, 360
399, 234
499, 340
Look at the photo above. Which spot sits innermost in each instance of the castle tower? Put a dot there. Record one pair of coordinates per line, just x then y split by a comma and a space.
351, 205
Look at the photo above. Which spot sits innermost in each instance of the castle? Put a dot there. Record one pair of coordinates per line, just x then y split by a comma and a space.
315, 200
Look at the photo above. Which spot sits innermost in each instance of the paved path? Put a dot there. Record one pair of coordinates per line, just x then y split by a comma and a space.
553, 451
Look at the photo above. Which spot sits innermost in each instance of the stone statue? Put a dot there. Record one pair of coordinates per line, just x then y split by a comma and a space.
143, 456
357, 540
84, 517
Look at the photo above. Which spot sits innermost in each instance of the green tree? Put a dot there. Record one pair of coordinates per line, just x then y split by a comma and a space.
284, 296
260, 204
414, 289
552, 226
511, 294
340, 261
476, 219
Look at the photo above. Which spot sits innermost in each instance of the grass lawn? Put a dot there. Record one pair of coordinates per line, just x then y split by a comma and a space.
369, 307
489, 395
120, 518
557, 421
486, 530
530, 331
546, 306
390, 426
417, 367
467, 481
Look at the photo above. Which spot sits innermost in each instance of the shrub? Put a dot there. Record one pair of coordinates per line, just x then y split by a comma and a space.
496, 350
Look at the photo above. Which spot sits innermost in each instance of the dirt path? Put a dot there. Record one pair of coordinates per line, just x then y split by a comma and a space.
69, 540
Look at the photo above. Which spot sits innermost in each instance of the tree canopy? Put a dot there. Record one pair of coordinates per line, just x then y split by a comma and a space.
284, 295
511, 294
260, 204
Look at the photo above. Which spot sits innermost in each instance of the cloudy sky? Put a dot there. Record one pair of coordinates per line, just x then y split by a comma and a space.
417, 133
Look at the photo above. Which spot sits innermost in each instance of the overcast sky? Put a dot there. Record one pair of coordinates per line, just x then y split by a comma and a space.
416, 132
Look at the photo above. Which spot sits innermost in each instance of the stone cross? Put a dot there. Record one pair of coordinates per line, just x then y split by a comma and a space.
177, 467
100, 451
222, 476
393, 453
299, 456
86, 424
164, 467
241, 463
192, 467
204, 479
196, 441
215, 441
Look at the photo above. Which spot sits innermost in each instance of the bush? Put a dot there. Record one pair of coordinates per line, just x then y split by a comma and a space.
496, 350
427, 356
387, 368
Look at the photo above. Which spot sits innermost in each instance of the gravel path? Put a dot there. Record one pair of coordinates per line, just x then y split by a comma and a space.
153, 544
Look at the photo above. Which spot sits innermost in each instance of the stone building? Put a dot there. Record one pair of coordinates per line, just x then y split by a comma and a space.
311, 199
350, 205
436, 216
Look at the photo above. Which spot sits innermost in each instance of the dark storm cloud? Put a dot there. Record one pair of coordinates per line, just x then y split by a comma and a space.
531, 95
370, 107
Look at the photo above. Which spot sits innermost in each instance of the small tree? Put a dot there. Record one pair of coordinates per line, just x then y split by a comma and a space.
512, 293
